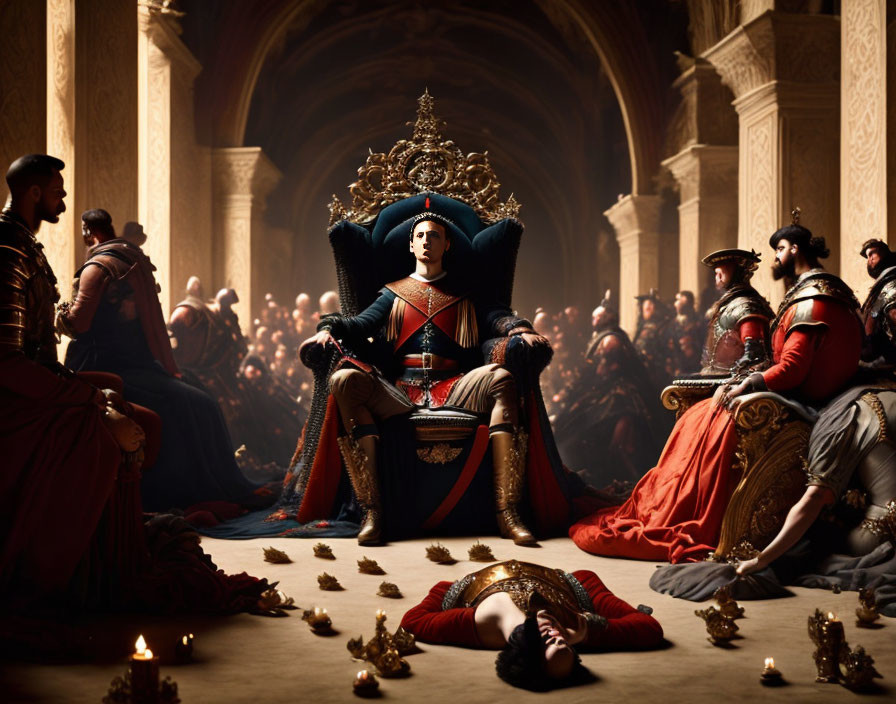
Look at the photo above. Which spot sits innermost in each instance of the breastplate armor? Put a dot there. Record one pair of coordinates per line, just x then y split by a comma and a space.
521, 581
723, 344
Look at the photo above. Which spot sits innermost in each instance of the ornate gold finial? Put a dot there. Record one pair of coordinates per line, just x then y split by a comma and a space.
795, 216
337, 210
425, 163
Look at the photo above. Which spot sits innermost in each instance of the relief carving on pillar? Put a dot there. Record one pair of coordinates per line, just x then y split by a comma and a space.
778, 46
760, 187
111, 108
864, 119
59, 238
22, 103
243, 171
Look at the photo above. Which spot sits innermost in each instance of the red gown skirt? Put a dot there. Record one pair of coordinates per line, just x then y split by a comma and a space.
675, 512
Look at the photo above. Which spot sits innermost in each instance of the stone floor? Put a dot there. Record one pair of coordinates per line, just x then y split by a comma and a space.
254, 659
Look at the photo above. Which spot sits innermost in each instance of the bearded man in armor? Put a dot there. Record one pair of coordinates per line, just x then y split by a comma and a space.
434, 329
879, 308
686, 334
675, 512
63, 472
536, 617
737, 338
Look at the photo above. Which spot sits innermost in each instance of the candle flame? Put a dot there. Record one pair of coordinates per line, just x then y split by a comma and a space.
184, 639
191, 636
362, 674
832, 616
147, 655
769, 663
140, 645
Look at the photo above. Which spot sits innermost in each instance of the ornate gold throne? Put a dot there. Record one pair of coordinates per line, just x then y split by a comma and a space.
370, 246
771, 455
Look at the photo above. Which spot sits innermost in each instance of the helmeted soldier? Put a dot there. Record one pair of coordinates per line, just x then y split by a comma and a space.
879, 308
737, 338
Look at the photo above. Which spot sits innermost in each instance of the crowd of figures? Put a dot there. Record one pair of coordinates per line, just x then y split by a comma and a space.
187, 417
603, 391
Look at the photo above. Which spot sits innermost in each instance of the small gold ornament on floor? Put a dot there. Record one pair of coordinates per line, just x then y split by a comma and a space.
389, 590
830, 645
366, 684
866, 612
318, 619
727, 605
274, 602
721, 629
329, 583
140, 685
858, 669
366, 566
324, 552
384, 651
275, 556
183, 649
439, 553
480, 553
771, 676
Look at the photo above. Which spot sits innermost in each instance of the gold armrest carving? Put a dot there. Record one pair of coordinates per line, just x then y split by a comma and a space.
771, 461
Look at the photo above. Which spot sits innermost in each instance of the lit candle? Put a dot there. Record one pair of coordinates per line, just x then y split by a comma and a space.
770, 677
183, 651
365, 684
144, 674
380, 615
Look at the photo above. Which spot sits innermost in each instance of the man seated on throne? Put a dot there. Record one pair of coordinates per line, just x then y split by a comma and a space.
435, 330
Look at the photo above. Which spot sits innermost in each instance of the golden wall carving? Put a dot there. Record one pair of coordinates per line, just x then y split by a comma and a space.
863, 160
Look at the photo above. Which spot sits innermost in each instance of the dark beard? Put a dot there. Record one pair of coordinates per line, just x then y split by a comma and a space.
783, 271
875, 271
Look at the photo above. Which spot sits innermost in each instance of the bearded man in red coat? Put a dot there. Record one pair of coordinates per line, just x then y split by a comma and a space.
675, 512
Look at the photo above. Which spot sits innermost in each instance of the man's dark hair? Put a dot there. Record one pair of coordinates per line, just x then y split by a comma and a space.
31, 170
813, 248
688, 296
521, 662
98, 220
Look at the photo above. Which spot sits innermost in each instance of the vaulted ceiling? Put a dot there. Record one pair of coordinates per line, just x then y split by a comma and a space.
567, 97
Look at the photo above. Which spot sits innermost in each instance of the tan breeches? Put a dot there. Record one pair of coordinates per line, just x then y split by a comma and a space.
365, 398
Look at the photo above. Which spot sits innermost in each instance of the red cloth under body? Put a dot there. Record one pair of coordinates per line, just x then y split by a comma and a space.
627, 628
675, 512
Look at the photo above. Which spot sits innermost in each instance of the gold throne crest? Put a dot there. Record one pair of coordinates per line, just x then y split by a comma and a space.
424, 163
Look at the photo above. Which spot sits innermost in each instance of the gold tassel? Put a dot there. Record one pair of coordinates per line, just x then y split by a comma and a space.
467, 329
396, 319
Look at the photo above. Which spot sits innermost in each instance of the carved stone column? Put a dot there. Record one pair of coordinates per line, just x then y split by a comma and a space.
242, 178
863, 134
636, 222
705, 168
23, 92
784, 71
60, 240
91, 109
173, 171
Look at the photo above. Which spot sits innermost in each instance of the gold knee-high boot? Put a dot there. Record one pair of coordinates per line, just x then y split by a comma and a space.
509, 457
360, 461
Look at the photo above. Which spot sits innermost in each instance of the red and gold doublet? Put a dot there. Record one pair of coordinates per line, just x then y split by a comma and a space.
816, 338
419, 310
